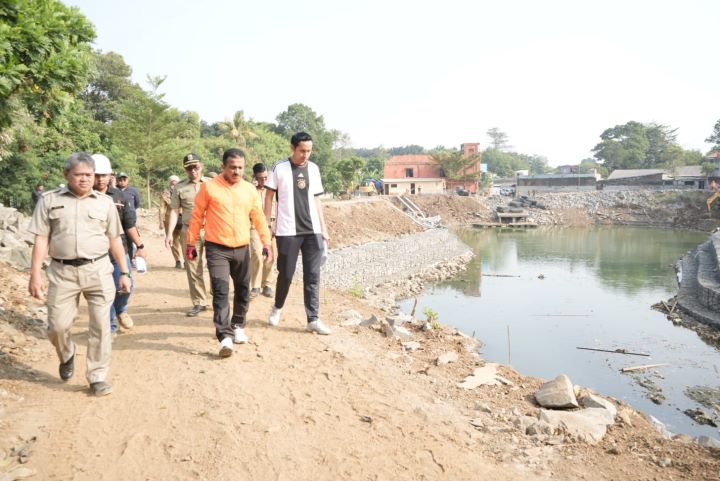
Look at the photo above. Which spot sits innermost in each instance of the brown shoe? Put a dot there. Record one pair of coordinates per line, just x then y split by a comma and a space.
125, 320
195, 311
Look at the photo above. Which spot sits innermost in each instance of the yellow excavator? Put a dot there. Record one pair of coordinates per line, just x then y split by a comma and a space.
716, 194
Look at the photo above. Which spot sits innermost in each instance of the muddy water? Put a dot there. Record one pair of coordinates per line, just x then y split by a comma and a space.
583, 287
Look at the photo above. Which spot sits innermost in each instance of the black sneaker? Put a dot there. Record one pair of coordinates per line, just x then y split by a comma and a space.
195, 311
67, 368
100, 388
267, 291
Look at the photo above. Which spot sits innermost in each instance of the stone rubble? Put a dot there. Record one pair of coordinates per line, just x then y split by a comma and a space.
595, 203
15, 242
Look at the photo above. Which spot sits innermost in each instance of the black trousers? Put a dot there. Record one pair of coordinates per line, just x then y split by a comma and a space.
288, 249
225, 263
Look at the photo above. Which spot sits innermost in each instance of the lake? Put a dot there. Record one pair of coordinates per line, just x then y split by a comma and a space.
582, 287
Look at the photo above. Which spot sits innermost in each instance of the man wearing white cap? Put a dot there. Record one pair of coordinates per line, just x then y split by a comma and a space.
165, 210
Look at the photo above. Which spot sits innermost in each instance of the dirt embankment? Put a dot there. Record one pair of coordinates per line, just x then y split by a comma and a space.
289, 405
679, 209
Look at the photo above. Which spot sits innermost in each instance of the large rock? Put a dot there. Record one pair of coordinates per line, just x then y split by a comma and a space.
7, 239
397, 332
21, 257
557, 394
9, 217
589, 425
593, 401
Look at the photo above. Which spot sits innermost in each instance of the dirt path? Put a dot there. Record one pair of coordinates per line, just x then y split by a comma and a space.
287, 406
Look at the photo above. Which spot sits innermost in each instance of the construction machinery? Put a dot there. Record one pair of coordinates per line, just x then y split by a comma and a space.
715, 196
367, 187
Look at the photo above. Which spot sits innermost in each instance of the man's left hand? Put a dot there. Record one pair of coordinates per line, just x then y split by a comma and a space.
125, 284
141, 253
267, 253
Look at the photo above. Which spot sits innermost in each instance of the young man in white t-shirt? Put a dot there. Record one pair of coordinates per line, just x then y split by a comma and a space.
299, 227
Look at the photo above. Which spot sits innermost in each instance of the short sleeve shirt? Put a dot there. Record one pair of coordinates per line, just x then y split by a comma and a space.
296, 188
183, 197
77, 227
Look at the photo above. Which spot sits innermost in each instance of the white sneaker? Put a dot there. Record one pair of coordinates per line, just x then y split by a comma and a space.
274, 318
240, 336
226, 347
319, 327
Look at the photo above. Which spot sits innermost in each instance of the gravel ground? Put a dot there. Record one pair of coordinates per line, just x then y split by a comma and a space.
377, 263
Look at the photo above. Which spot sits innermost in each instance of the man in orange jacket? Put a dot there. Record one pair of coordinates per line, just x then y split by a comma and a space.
225, 206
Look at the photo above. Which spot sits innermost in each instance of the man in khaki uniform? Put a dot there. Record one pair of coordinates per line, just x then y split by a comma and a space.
183, 197
77, 226
165, 210
261, 267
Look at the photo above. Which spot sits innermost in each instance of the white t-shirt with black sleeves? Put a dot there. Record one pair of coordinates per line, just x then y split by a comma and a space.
296, 188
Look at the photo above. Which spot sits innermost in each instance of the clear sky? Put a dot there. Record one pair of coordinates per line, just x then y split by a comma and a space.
552, 74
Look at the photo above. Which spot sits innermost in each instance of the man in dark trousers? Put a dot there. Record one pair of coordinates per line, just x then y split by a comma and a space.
299, 227
225, 206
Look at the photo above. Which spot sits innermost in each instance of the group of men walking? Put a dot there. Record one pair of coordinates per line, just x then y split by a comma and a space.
240, 227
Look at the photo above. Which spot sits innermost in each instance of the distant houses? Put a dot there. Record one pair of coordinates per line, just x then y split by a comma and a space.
684, 177
420, 174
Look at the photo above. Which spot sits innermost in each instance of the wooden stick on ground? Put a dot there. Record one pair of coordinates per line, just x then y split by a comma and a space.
616, 351
640, 368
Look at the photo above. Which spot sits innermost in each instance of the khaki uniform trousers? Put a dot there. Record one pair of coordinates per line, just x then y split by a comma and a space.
194, 270
260, 269
177, 245
95, 282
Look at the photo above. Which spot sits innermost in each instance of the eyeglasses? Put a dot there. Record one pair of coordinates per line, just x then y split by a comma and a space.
190, 168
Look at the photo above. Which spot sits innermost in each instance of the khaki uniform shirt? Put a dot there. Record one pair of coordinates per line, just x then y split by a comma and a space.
183, 197
165, 202
77, 228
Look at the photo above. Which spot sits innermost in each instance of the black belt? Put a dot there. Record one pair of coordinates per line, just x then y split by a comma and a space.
78, 262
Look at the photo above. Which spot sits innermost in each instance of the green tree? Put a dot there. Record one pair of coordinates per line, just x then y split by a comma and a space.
237, 130
350, 173
45, 58
642, 146
504, 164
153, 135
266, 145
715, 137
623, 147
301, 118
456, 166
109, 85
407, 150
537, 164
708, 168
498, 139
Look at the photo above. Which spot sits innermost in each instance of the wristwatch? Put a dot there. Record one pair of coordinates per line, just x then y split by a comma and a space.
141, 246
126, 274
